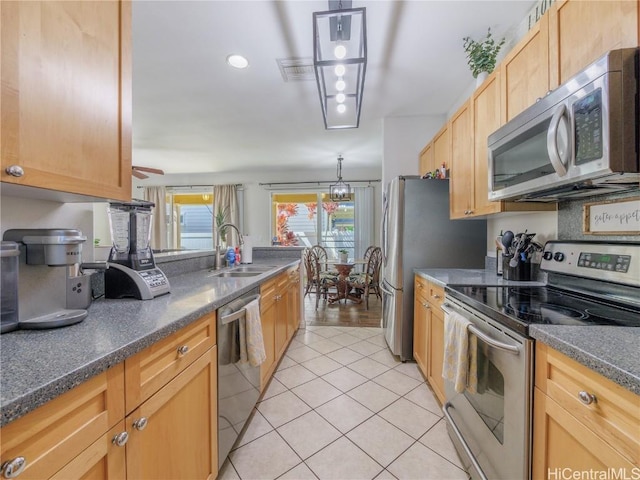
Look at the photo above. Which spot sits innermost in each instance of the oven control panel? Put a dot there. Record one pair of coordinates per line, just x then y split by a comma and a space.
617, 262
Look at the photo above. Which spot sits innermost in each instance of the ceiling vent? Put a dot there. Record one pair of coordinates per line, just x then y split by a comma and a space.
296, 69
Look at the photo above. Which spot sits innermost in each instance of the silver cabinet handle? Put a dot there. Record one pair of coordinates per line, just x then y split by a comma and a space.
14, 171
586, 397
426, 305
120, 439
13, 468
140, 424
436, 296
183, 350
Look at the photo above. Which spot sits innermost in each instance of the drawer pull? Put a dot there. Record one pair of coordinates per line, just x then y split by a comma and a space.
586, 397
183, 350
14, 171
13, 468
436, 296
120, 439
140, 424
426, 305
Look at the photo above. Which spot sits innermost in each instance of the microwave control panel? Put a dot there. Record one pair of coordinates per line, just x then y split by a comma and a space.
587, 114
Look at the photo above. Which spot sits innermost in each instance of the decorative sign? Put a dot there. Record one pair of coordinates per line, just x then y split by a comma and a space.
616, 217
536, 12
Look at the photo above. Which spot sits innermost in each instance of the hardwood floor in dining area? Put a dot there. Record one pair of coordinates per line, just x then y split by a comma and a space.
349, 314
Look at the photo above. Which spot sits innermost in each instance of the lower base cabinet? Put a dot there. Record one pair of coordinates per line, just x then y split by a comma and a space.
435, 354
170, 434
581, 420
178, 437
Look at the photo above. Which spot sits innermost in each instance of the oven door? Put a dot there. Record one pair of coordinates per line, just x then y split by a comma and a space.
491, 428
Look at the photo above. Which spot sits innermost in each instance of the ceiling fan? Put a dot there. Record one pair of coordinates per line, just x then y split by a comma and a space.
137, 171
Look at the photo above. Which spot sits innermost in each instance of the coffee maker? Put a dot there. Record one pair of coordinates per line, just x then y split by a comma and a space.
131, 269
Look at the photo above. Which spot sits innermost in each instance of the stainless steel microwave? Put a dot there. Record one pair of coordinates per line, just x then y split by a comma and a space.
581, 139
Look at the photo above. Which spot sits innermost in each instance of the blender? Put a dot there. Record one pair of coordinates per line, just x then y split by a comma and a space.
131, 270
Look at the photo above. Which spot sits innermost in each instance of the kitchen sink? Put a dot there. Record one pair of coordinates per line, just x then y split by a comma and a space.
253, 268
235, 273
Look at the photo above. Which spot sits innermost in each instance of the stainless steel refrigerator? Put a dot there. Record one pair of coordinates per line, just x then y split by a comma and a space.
417, 233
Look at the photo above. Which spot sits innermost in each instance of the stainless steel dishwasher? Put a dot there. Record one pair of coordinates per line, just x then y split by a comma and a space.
238, 383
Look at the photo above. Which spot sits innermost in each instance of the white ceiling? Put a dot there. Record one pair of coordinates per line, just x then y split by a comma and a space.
193, 113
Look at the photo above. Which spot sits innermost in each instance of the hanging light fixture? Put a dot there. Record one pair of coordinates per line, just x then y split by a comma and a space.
340, 62
340, 191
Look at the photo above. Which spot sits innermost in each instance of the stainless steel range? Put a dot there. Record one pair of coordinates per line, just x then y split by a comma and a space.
589, 283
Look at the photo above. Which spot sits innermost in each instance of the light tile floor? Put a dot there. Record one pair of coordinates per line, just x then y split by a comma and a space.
340, 406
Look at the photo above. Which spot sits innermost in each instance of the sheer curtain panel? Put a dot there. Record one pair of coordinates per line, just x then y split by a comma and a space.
158, 196
225, 199
364, 218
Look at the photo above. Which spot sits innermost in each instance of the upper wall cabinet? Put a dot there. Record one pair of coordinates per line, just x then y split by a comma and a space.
461, 186
427, 162
582, 31
524, 71
66, 96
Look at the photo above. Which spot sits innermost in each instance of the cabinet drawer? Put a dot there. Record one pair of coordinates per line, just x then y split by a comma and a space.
435, 295
149, 370
421, 288
614, 412
51, 436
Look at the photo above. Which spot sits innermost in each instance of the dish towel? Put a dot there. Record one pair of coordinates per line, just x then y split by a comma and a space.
456, 350
251, 340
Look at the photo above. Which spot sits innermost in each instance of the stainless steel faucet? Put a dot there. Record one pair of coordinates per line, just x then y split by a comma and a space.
218, 256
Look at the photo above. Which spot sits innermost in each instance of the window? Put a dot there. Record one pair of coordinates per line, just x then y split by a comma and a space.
297, 220
190, 220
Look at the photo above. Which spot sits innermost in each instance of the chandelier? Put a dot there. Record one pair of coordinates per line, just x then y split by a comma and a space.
340, 61
340, 191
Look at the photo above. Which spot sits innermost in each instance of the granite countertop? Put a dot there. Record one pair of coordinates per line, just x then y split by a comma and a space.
613, 352
38, 365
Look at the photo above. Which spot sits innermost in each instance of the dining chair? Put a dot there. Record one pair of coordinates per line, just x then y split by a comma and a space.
368, 281
318, 281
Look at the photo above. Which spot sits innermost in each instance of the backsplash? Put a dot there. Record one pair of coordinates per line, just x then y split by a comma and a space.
571, 214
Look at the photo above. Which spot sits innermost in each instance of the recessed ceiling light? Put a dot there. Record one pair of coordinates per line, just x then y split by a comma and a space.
237, 61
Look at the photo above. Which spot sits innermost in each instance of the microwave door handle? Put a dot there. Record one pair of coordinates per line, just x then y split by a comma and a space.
559, 160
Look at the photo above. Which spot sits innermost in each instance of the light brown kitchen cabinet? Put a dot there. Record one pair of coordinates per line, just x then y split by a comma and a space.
524, 71
278, 316
55, 434
428, 333
442, 147
293, 312
582, 420
582, 31
420, 315
66, 96
461, 186
173, 434
427, 160
435, 334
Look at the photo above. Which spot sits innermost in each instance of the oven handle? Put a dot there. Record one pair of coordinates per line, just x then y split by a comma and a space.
467, 450
484, 337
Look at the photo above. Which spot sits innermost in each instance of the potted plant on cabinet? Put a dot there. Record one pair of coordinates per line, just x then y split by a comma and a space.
481, 55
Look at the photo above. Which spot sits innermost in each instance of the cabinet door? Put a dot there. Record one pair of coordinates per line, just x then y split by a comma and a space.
562, 442
66, 96
435, 333
179, 440
282, 322
581, 32
427, 160
51, 436
293, 313
486, 114
420, 313
102, 460
524, 71
442, 147
268, 318
462, 176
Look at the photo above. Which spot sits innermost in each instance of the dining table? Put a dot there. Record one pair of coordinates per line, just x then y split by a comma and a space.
342, 286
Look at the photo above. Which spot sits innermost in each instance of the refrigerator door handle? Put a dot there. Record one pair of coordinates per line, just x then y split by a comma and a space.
384, 229
385, 290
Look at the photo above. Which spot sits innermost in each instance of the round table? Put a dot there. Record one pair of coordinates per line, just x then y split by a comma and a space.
344, 291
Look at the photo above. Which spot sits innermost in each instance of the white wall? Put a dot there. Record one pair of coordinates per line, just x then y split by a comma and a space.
257, 211
403, 139
543, 224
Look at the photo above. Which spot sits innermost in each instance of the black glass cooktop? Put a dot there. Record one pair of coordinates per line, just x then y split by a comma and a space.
521, 306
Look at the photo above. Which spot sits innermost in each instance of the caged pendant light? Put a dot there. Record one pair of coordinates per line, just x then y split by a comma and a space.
339, 191
340, 61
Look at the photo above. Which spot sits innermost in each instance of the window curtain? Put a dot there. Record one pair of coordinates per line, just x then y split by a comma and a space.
225, 198
158, 195
364, 218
